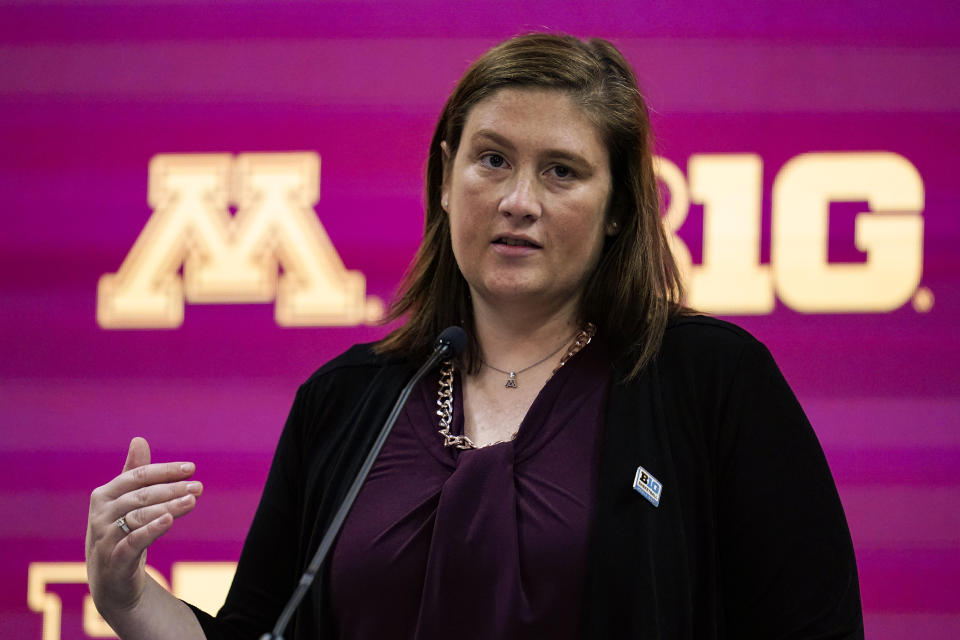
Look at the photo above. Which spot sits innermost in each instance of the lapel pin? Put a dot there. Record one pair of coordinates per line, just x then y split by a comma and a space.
647, 486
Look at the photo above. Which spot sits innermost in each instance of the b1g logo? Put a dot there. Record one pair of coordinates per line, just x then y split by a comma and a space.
234, 258
647, 486
731, 278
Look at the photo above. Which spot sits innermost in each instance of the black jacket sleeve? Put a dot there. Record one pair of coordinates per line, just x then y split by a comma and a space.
786, 561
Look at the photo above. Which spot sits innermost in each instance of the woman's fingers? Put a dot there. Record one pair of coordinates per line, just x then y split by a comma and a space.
157, 487
153, 495
133, 544
176, 507
138, 454
140, 507
143, 476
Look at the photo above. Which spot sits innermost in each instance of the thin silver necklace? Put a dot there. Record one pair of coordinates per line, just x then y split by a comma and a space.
512, 375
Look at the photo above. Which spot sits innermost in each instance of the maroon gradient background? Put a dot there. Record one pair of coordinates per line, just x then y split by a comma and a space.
90, 91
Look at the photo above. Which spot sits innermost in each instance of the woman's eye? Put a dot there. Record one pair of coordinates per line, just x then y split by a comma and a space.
562, 172
494, 160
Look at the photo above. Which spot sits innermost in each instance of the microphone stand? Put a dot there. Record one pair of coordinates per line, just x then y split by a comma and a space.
449, 344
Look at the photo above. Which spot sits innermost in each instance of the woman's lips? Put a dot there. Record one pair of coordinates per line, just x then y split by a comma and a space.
515, 246
516, 242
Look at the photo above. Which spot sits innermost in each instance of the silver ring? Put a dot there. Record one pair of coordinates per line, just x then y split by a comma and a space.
122, 523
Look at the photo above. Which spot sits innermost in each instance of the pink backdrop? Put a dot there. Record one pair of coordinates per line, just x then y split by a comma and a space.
90, 92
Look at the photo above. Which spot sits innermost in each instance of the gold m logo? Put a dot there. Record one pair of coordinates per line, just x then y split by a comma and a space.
234, 258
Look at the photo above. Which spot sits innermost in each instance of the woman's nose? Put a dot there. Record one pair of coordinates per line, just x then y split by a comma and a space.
522, 199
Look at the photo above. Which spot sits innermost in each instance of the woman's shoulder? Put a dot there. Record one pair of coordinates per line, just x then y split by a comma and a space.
361, 362
695, 331
708, 346
358, 355
347, 381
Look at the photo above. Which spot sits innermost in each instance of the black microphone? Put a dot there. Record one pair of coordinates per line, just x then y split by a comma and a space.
450, 343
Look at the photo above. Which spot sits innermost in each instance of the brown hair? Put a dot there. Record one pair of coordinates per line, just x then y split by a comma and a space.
635, 287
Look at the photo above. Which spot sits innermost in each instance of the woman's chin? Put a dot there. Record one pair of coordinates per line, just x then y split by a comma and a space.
517, 295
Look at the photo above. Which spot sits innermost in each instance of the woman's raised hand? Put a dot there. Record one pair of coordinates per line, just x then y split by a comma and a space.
145, 498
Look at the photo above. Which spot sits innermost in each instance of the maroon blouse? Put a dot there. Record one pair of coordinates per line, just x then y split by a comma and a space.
489, 542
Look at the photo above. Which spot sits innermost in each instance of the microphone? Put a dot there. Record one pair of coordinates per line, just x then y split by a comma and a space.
450, 343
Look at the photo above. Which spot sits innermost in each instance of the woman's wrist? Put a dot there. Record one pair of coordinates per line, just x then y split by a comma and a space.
155, 615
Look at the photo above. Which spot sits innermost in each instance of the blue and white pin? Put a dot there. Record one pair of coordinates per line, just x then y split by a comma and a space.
646, 485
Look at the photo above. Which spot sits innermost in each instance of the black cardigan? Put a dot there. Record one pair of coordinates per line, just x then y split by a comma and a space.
749, 539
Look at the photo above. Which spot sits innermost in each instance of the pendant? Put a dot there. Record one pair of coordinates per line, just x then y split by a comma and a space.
511, 381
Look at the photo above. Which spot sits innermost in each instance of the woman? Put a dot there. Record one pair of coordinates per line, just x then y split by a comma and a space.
607, 464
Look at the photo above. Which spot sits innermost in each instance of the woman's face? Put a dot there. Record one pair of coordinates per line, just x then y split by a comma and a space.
527, 194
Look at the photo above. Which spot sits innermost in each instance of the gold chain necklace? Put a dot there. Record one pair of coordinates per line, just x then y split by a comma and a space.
445, 394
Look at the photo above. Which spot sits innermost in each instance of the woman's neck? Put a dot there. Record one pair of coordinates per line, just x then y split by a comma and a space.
514, 338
